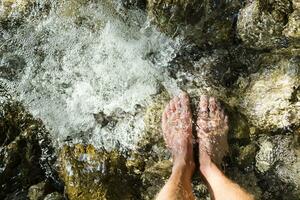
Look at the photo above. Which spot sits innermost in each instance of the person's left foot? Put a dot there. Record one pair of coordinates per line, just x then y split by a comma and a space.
177, 131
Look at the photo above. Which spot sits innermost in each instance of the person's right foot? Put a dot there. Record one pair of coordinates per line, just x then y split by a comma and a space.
212, 129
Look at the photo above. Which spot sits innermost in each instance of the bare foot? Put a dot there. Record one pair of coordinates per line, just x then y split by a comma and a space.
177, 131
212, 129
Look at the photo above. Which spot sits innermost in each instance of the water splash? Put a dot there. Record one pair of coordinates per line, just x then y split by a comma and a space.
76, 70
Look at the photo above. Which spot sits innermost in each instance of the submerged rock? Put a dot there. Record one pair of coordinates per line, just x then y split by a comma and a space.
92, 174
260, 23
11, 66
151, 160
134, 3
200, 21
12, 12
25, 152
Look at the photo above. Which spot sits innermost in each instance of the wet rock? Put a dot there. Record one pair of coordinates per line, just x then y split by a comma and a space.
246, 155
265, 158
36, 192
54, 196
247, 180
201, 22
292, 29
11, 66
13, 8
260, 23
151, 160
134, 3
278, 163
269, 100
92, 174
25, 151
12, 12
154, 177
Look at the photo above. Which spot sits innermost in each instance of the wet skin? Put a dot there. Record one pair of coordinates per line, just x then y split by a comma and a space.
212, 129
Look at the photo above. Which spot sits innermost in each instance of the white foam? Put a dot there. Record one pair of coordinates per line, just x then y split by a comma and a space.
86, 71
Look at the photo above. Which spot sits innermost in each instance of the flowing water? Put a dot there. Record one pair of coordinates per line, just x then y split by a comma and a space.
86, 60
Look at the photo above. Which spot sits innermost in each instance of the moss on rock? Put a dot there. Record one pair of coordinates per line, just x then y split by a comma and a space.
151, 159
92, 174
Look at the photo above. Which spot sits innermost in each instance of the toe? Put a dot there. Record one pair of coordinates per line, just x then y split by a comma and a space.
184, 102
172, 105
167, 110
177, 103
203, 107
212, 106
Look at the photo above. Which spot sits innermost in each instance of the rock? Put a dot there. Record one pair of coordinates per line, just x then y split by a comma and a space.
36, 192
278, 163
92, 174
134, 3
260, 23
11, 9
151, 160
265, 157
11, 66
201, 22
246, 155
271, 101
25, 151
292, 29
154, 177
248, 181
54, 196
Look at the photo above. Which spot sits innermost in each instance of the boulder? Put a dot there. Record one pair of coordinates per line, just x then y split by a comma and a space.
277, 162
25, 152
271, 98
261, 23
201, 22
94, 174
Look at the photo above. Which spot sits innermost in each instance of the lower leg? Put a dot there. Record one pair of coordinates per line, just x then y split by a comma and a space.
178, 186
220, 186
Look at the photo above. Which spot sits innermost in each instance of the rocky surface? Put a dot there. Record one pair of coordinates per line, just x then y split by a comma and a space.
92, 174
271, 98
278, 163
246, 53
260, 23
202, 22
25, 154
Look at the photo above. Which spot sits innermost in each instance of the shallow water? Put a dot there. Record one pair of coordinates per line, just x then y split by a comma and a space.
109, 63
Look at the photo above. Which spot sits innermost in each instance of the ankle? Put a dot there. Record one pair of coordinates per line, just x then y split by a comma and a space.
206, 164
184, 169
